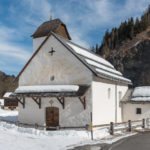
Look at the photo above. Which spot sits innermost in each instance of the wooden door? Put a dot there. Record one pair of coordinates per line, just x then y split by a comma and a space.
52, 116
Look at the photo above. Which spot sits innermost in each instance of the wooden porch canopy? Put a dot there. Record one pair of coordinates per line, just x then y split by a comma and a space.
60, 92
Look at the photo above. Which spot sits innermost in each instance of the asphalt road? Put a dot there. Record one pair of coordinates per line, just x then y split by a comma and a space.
140, 141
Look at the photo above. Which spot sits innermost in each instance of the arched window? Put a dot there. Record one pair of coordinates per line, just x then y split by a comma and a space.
120, 95
109, 93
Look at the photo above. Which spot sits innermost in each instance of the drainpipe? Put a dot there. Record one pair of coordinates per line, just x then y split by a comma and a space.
115, 103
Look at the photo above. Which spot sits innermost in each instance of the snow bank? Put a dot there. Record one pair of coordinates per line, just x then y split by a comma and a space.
20, 138
28, 138
47, 88
9, 115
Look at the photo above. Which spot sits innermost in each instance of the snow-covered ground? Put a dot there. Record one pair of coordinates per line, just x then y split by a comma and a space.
9, 115
19, 138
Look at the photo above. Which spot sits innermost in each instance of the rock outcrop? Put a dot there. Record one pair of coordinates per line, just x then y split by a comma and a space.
132, 58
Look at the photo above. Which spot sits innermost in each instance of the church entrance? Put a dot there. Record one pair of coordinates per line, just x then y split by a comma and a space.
52, 116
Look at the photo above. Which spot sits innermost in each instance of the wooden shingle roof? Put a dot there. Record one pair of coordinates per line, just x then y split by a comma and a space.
49, 26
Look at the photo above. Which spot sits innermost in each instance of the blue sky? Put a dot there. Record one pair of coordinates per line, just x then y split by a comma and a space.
86, 21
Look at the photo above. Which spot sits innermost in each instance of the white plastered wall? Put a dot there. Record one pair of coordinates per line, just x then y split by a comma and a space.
66, 69
123, 89
129, 111
73, 114
105, 107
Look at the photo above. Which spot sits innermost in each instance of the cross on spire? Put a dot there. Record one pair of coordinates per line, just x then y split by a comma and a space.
51, 14
52, 51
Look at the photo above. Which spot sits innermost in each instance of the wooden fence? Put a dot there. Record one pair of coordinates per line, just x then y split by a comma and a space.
113, 127
126, 126
122, 126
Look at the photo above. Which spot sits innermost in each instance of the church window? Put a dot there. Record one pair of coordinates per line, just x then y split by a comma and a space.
138, 111
52, 78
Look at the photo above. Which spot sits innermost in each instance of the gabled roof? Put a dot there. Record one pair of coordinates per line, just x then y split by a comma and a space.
96, 64
99, 66
49, 26
139, 95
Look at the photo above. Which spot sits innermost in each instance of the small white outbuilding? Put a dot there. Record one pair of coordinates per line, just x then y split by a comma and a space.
136, 105
63, 83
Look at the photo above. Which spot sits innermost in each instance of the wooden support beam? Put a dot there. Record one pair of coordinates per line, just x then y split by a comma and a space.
21, 102
62, 101
37, 100
83, 101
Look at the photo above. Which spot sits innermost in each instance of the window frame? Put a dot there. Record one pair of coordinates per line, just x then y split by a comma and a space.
138, 111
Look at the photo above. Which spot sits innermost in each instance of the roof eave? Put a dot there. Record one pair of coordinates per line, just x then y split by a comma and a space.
114, 79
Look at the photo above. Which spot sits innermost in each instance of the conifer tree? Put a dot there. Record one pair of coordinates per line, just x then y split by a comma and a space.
127, 30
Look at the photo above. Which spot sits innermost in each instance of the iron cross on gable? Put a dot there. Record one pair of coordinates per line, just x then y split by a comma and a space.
52, 51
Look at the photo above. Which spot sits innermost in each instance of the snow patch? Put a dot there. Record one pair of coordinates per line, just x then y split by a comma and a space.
137, 43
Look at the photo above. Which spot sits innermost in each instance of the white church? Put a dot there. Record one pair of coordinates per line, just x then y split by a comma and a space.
62, 83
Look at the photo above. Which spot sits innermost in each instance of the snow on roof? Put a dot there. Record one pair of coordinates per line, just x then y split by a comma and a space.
7, 94
143, 91
140, 99
47, 88
112, 75
87, 54
102, 67
141, 94
95, 63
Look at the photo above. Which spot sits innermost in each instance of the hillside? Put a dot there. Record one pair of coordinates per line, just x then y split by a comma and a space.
128, 48
7, 83
132, 58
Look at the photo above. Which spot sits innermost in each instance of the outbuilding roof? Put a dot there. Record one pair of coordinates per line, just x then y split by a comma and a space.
7, 94
139, 95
